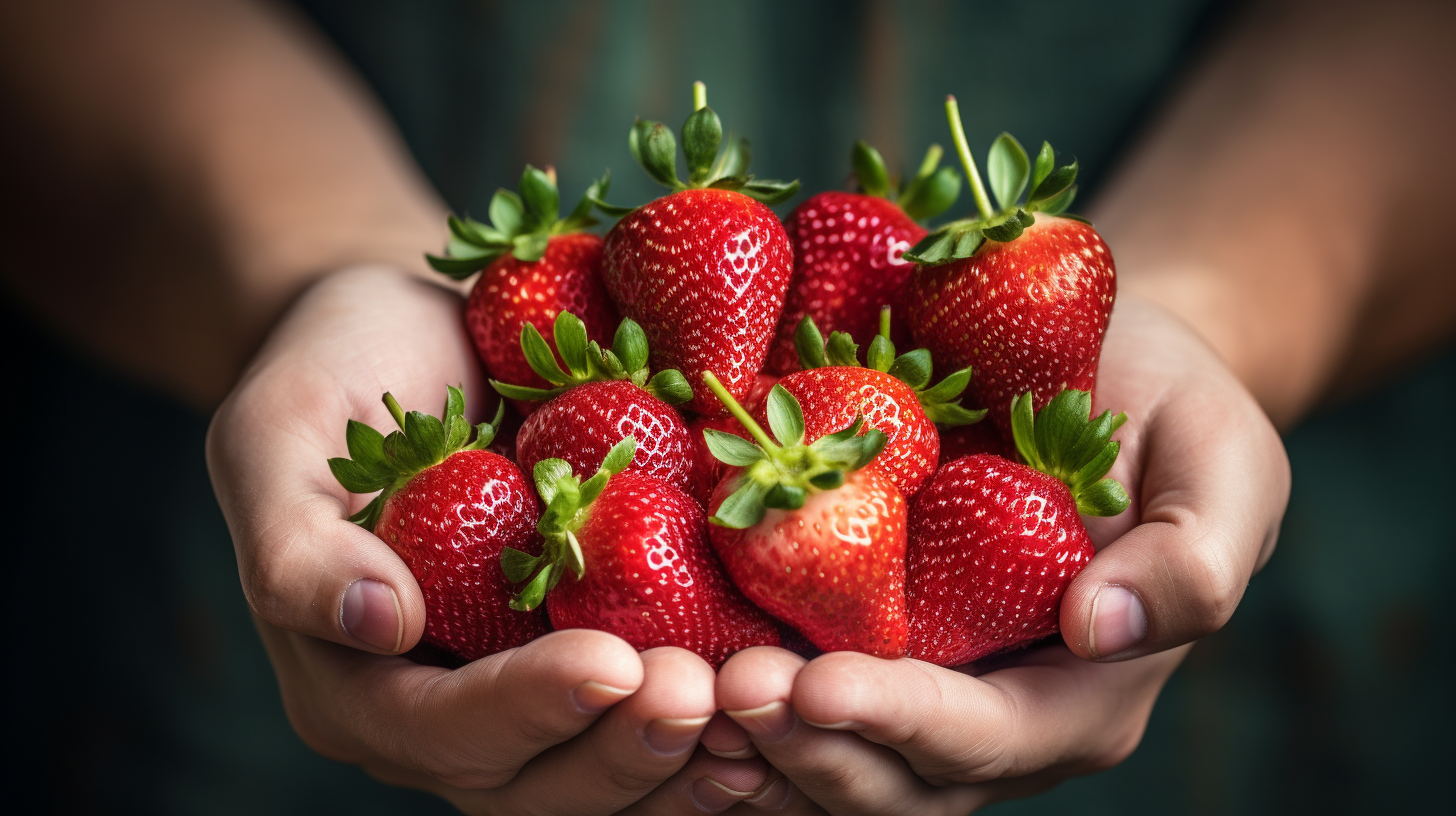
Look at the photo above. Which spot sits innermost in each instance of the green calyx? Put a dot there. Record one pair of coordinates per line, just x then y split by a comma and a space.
387, 463
654, 147
940, 402
1063, 441
781, 471
568, 502
586, 361
1049, 189
928, 194
519, 224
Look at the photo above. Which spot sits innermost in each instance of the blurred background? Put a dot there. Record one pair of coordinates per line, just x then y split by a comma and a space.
146, 689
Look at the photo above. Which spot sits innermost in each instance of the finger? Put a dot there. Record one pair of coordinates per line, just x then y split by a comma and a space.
304, 567
836, 769
725, 738
473, 727
706, 784
1053, 710
1213, 484
635, 747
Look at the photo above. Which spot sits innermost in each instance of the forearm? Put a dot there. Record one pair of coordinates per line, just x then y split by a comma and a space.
1284, 205
203, 162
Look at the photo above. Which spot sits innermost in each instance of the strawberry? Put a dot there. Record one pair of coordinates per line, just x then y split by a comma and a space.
848, 248
1022, 293
993, 544
536, 266
629, 554
704, 269
449, 508
890, 395
967, 440
708, 470
808, 532
602, 396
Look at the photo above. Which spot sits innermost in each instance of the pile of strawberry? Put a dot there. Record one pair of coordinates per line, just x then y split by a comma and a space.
695, 465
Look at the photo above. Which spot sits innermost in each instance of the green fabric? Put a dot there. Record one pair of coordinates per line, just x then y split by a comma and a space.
147, 690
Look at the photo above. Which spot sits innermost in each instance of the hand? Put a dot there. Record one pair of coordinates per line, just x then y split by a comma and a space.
575, 722
1209, 481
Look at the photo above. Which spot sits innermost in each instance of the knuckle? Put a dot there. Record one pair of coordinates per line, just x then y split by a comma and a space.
1218, 586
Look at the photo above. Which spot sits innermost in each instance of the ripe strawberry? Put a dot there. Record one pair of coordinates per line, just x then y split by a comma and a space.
968, 440
848, 248
601, 397
808, 532
890, 395
536, 266
448, 507
640, 565
1023, 293
994, 544
708, 470
704, 269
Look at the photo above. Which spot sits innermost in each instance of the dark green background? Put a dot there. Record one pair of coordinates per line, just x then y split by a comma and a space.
145, 687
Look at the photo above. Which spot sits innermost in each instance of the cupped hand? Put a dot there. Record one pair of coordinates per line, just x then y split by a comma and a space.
574, 722
1209, 481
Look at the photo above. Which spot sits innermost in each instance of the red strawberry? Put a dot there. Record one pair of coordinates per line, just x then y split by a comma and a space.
708, 470
808, 532
640, 565
994, 544
601, 397
1023, 293
448, 508
704, 270
536, 267
848, 248
890, 395
968, 440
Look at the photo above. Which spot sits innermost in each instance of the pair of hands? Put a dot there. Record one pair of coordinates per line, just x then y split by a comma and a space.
579, 722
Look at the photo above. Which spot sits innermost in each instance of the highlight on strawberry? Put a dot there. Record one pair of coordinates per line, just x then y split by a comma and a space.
993, 544
892, 394
536, 264
703, 269
849, 247
1023, 292
812, 533
629, 554
448, 508
600, 397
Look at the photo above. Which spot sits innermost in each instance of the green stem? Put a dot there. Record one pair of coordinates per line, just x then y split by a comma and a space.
738, 413
885, 322
394, 410
958, 135
700, 96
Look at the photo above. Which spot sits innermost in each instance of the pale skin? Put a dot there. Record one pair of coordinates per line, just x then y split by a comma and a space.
1276, 242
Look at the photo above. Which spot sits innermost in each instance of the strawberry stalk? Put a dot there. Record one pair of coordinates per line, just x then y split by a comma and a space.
1011, 172
780, 472
387, 463
940, 402
1062, 441
586, 361
928, 194
568, 502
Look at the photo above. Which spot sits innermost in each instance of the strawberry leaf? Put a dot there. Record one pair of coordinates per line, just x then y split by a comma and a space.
630, 345
743, 508
459, 268
881, 354
785, 417
541, 197
734, 159
653, 146
912, 368
842, 350
1007, 167
1104, 498
1054, 184
1046, 160
1058, 204
670, 386
507, 211
869, 170
702, 134
571, 340
926, 199
356, 478
810, 344
784, 497
731, 449
530, 247
517, 565
620, 456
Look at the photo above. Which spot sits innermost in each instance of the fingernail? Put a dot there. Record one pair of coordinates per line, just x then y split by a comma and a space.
1119, 621
742, 753
842, 725
668, 736
770, 722
370, 613
772, 797
712, 796
592, 697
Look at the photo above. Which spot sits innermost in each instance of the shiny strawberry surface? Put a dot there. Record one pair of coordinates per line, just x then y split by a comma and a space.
704, 272
652, 579
847, 264
992, 547
449, 525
